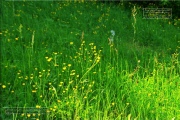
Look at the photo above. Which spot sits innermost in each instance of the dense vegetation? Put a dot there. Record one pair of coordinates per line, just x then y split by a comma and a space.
174, 4
87, 60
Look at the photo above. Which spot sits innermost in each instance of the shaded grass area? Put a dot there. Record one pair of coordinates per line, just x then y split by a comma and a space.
56, 55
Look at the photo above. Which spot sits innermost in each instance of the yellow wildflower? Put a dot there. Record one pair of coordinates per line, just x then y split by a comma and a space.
49, 59
28, 115
38, 106
64, 68
16, 38
3, 86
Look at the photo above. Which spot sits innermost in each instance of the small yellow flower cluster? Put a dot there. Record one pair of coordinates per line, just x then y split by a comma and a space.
48, 59
73, 72
83, 43
26, 77
38, 106
61, 84
54, 108
98, 59
71, 43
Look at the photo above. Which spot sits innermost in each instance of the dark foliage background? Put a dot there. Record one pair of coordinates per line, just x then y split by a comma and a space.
174, 4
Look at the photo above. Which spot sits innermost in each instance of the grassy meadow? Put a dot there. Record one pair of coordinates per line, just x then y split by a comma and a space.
59, 60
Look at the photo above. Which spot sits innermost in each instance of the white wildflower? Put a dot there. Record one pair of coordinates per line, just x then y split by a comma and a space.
112, 32
111, 39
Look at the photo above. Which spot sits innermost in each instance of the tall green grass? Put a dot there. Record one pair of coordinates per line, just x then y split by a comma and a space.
55, 58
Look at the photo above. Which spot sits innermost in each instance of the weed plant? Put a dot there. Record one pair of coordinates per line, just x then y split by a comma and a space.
55, 58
